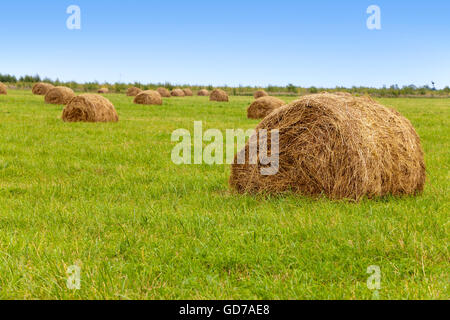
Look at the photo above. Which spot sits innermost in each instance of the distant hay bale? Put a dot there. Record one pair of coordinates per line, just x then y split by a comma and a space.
263, 106
259, 94
339, 146
103, 90
41, 88
163, 92
133, 91
59, 95
177, 93
148, 97
203, 93
3, 89
218, 95
90, 108
188, 92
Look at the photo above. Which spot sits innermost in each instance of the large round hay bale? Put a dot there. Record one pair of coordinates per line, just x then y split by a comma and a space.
133, 91
218, 95
177, 93
90, 108
188, 92
203, 93
59, 95
103, 90
263, 106
339, 146
163, 92
148, 97
41, 88
3, 89
259, 94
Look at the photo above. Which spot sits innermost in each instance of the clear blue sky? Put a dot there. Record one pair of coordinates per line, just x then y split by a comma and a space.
308, 43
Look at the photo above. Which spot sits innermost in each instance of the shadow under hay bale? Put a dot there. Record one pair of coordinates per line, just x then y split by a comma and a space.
339, 146
203, 93
59, 95
218, 95
177, 93
263, 106
259, 94
188, 92
90, 108
3, 89
148, 97
103, 90
41, 88
163, 92
133, 91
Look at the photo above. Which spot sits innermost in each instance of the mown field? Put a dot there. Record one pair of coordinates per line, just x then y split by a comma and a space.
108, 198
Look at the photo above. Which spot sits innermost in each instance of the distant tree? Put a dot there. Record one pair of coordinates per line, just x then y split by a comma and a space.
8, 78
291, 88
313, 90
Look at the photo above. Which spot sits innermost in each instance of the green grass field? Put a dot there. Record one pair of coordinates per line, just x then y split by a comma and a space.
108, 198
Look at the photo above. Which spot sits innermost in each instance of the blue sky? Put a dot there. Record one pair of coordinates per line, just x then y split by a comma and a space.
320, 43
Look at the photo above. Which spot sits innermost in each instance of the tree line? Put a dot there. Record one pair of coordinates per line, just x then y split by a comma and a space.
393, 91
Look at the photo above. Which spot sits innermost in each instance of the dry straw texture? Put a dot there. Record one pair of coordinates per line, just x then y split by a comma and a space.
41, 88
103, 90
203, 93
3, 89
262, 107
343, 94
340, 146
59, 95
218, 95
188, 92
90, 108
148, 97
259, 94
133, 91
177, 93
163, 92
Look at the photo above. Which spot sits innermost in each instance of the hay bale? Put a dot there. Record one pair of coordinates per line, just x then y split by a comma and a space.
343, 94
3, 89
263, 106
188, 92
148, 97
103, 90
218, 95
342, 147
259, 94
41, 88
59, 95
177, 93
90, 108
339, 93
163, 92
203, 93
133, 91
